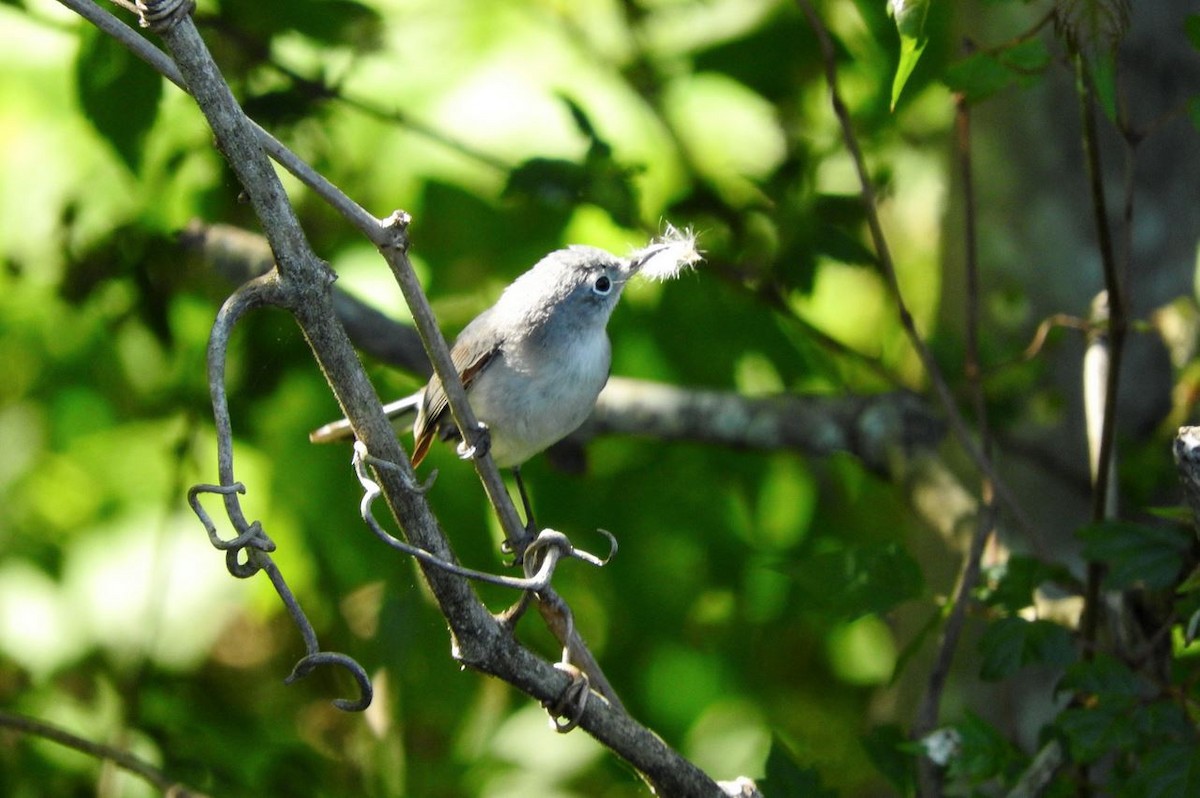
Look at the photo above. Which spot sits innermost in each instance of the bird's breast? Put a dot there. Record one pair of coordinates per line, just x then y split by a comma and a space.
533, 396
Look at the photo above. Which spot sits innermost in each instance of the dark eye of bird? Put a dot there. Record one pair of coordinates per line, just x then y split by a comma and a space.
602, 285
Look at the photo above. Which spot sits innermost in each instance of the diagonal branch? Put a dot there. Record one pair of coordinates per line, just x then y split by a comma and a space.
302, 286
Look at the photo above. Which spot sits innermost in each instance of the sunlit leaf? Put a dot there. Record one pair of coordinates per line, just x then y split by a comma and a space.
910, 24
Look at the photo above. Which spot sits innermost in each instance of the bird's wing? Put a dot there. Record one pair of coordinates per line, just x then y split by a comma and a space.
474, 350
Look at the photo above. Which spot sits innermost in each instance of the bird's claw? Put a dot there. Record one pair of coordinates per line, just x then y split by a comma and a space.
479, 446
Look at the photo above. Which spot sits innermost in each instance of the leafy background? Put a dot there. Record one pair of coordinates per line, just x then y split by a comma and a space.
767, 613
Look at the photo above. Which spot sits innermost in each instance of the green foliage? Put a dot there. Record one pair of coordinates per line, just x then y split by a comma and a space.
1010, 644
985, 752
1137, 554
788, 779
117, 93
982, 74
910, 24
757, 597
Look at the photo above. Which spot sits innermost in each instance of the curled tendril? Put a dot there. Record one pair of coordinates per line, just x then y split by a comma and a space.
160, 15
252, 535
311, 662
251, 538
567, 711
554, 545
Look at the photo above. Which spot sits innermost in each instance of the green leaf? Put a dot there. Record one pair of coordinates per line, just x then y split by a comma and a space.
910, 23
1011, 586
1010, 644
1103, 676
786, 779
1027, 56
1191, 26
852, 581
1136, 553
1168, 771
1093, 731
119, 94
888, 748
979, 76
1193, 110
1104, 78
984, 752
910, 53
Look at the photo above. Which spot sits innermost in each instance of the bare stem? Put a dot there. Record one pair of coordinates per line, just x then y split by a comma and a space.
945, 397
122, 759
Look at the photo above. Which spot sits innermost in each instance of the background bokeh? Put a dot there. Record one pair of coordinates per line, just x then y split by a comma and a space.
757, 596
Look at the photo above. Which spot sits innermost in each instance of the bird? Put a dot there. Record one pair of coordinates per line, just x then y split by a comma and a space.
534, 362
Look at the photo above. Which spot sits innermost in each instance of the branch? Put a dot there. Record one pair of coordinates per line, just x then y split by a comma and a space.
984, 521
1118, 321
873, 428
122, 759
300, 282
958, 424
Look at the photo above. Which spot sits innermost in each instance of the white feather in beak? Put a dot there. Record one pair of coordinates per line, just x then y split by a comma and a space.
666, 256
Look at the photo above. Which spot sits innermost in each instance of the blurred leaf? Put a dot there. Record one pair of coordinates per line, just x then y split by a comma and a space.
1104, 79
1010, 644
119, 94
1193, 109
888, 748
331, 22
984, 752
1012, 586
1093, 731
1137, 553
786, 779
283, 107
1103, 676
1027, 56
786, 36
979, 76
1092, 25
854, 580
1191, 26
839, 245
600, 179
1168, 771
337, 22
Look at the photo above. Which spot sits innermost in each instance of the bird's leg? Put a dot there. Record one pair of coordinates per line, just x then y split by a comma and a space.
517, 547
526, 506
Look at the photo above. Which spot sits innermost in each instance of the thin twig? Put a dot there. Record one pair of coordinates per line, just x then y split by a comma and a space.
1117, 326
121, 758
945, 397
928, 712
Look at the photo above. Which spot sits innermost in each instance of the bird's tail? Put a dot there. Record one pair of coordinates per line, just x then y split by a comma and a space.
340, 430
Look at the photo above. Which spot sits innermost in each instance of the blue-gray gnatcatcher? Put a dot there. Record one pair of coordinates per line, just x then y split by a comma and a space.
535, 361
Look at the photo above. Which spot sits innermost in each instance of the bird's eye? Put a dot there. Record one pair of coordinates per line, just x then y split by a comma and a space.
602, 285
